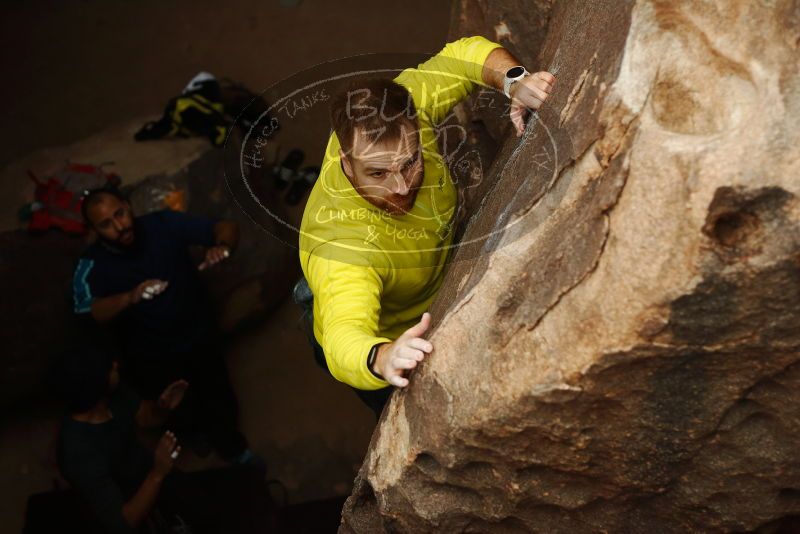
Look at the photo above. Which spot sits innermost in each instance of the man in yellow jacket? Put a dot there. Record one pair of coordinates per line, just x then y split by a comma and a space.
376, 231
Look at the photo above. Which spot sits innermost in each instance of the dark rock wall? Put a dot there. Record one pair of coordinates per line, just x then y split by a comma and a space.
616, 342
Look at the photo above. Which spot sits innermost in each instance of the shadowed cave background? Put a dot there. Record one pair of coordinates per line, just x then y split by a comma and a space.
631, 341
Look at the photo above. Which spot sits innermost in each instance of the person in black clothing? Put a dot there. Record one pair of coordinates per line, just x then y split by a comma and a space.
127, 487
140, 277
98, 452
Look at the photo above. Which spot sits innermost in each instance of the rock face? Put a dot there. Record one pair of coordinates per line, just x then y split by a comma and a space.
617, 347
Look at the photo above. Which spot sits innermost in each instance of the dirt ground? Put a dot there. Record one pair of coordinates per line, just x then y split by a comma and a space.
73, 69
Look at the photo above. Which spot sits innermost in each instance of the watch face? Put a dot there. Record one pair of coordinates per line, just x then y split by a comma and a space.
515, 72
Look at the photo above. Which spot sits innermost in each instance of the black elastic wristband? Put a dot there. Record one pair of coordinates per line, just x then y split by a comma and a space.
373, 353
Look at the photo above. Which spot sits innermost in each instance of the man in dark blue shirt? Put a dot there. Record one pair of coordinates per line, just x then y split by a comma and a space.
139, 276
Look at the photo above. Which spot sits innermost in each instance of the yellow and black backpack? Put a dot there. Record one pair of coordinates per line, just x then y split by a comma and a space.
204, 108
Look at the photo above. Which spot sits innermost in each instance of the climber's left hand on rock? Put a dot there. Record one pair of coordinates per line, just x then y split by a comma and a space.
395, 359
529, 93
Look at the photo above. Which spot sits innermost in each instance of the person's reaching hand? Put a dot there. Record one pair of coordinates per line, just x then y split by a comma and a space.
214, 255
167, 452
147, 290
529, 93
173, 395
404, 353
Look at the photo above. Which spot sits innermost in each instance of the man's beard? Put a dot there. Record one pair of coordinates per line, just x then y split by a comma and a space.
397, 204
400, 205
119, 243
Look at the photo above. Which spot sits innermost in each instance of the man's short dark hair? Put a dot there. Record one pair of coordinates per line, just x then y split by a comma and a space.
376, 108
94, 196
81, 377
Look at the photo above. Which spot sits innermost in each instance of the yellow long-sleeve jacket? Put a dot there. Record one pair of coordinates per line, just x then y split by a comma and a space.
372, 274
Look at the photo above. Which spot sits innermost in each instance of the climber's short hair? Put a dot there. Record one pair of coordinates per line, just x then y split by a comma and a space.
376, 108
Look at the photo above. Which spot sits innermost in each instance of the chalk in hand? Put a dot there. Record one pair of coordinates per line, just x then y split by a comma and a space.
153, 290
147, 295
226, 253
174, 455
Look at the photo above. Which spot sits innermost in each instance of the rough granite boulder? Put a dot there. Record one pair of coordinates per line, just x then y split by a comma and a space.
617, 346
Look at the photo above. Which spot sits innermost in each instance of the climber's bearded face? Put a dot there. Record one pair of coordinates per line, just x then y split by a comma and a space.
112, 219
387, 173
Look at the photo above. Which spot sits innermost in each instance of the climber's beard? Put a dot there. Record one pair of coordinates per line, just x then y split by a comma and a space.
388, 175
393, 204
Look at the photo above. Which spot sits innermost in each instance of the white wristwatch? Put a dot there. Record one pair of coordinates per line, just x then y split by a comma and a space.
513, 75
